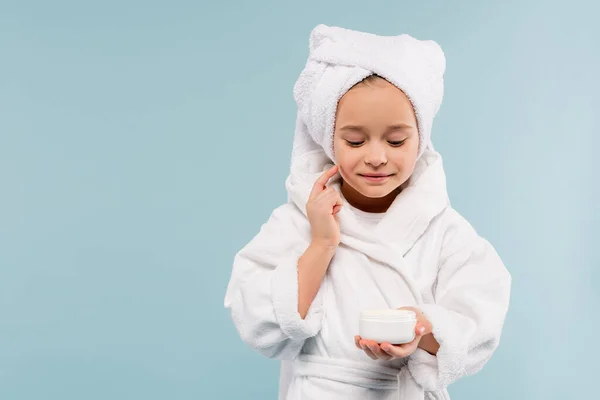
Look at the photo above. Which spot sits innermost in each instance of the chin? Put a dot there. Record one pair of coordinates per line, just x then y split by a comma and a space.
376, 192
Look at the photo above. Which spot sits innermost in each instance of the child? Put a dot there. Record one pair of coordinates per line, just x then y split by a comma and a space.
368, 225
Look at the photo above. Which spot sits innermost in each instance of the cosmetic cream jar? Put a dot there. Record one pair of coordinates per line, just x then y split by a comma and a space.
392, 326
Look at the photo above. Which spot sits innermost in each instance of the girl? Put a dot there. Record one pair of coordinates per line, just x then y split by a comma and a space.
368, 225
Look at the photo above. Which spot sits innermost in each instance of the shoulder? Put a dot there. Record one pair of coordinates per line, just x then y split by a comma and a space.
287, 213
286, 218
277, 234
458, 234
466, 256
452, 223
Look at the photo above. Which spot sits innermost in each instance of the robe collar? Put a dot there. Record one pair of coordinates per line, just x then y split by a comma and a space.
407, 218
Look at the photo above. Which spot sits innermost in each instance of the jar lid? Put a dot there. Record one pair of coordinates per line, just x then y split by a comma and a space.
389, 315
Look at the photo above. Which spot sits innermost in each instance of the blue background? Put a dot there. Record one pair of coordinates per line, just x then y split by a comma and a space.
142, 143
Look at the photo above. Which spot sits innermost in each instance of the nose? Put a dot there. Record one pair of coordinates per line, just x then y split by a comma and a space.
376, 155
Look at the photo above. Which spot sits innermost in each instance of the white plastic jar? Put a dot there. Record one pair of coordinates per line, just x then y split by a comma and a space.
392, 326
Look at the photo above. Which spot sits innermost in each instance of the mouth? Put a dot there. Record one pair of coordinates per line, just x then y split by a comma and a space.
376, 177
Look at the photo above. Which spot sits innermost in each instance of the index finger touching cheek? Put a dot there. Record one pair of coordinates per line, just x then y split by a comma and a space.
320, 183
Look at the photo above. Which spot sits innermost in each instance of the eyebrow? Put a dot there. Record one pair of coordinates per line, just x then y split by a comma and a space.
361, 129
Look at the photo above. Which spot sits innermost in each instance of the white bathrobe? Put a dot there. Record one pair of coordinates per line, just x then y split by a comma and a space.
422, 253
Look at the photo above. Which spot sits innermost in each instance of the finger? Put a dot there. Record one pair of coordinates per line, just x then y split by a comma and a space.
398, 351
323, 196
357, 341
327, 175
327, 193
414, 344
377, 351
366, 349
421, 329
369, 353
338, 204
386, 347
321, 181
330, 197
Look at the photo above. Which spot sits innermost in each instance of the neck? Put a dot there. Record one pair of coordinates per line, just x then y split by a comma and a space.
368, 204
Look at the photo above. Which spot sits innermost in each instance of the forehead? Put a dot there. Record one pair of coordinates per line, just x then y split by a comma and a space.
375, 105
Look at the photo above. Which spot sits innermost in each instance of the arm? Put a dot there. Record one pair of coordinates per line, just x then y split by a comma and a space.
312, 267
471, 302
263, 292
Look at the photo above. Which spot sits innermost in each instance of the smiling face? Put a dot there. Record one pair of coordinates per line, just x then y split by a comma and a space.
375, 142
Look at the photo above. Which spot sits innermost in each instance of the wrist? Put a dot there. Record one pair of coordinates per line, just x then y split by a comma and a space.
322, 246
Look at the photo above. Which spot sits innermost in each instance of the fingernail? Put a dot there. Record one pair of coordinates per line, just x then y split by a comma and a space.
421, 330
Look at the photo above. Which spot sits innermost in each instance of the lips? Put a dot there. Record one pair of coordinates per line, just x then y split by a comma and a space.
375, 178
375, 175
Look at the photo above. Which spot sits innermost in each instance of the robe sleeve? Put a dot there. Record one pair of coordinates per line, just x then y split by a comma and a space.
471, 302
262, 295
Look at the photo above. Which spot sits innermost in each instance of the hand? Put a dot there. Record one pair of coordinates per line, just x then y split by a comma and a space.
322, 206
388, 351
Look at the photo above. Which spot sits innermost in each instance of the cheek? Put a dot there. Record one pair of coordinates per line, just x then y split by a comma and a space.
345, 170
342, 170
408, 167
408, 156
345, 164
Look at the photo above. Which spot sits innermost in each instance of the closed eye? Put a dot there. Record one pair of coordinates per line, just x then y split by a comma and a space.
394, 143
354, 144
397, 143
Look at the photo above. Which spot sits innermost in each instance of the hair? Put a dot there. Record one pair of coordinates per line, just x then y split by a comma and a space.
371, 80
